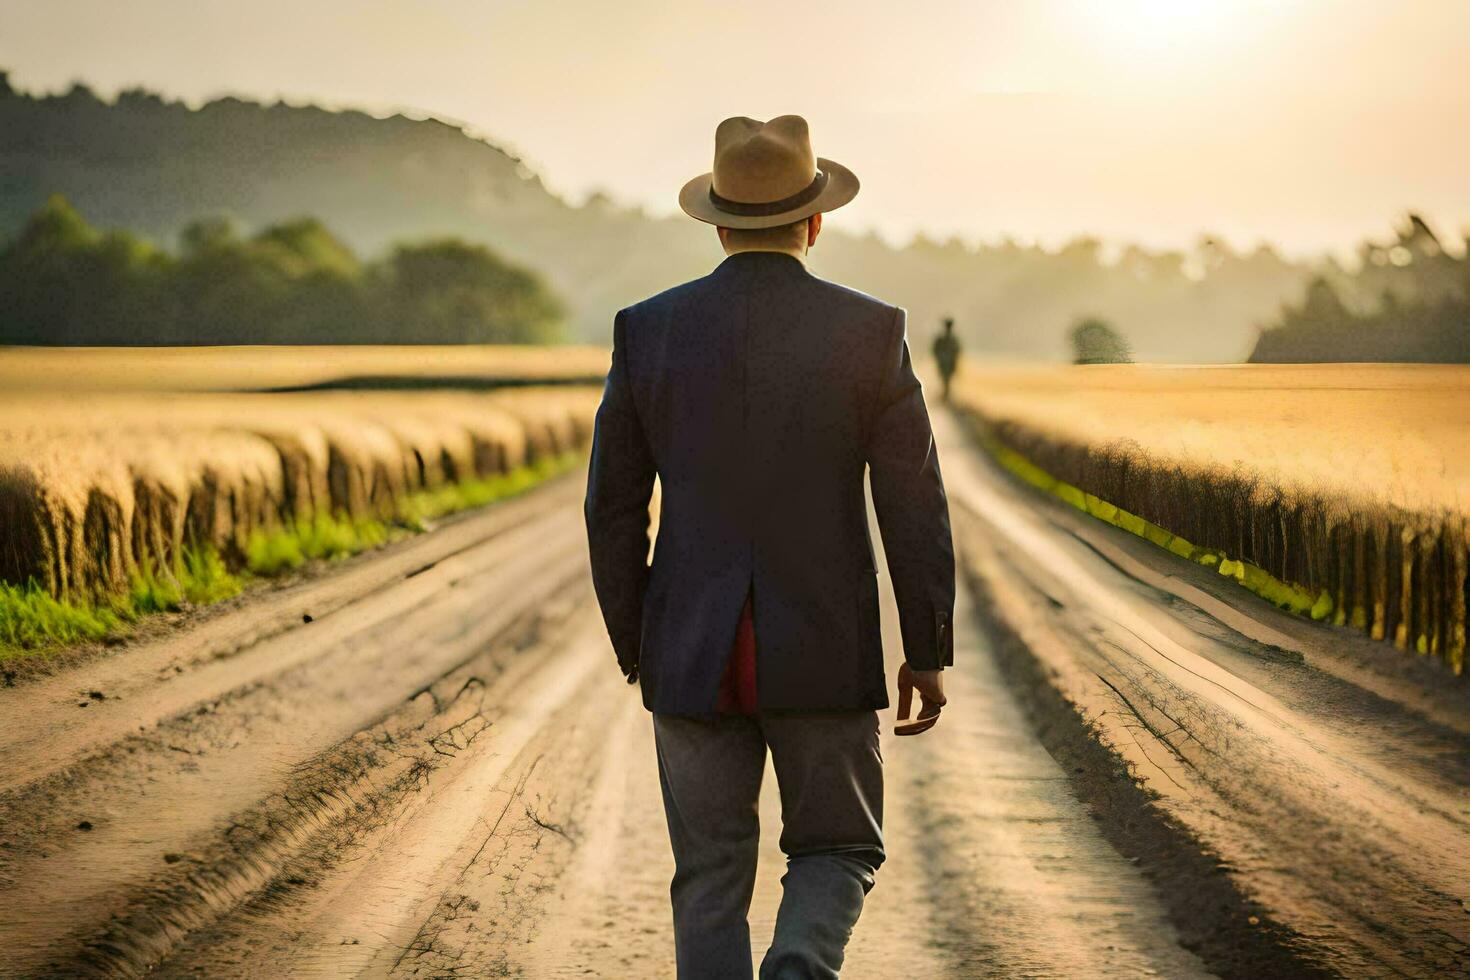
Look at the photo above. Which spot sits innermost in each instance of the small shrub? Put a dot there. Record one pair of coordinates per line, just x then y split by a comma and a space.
1095, 341
338, 536
205, 578
152, 592
271, 553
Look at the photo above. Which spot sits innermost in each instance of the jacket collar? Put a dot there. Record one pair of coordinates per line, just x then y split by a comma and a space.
753, 259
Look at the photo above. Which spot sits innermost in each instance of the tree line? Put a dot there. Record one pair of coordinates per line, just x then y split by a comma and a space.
1405, 300
143, 161
64, 282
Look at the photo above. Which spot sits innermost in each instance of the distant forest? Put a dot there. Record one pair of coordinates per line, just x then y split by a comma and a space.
157, 168
63, 282
1407, 300
154, 167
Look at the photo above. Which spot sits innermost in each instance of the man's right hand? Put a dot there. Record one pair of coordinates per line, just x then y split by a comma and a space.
930, 685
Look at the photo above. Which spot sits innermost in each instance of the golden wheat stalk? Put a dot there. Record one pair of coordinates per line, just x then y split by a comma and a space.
93, 490
1346, 483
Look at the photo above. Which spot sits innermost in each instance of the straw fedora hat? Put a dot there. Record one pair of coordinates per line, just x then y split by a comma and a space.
766, 175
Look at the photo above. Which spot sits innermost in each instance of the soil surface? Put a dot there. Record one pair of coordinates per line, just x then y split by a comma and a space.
1324, 778
424, 763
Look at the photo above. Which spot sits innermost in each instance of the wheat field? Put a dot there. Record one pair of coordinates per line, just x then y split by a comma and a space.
92, 489
1349, 482
123, 469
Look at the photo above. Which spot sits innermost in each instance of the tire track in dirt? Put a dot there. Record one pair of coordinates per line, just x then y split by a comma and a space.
141, 686
1021, 880
1334, 810
460, 784
184, 819
993, 869
468, 845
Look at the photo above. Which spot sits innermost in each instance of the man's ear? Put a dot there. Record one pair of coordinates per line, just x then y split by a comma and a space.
813, 229
722, 232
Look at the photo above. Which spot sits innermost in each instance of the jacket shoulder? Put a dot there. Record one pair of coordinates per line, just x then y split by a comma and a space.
855, 297
666, 301
854, 305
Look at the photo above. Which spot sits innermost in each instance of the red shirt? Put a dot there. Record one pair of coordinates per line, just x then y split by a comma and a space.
737, 686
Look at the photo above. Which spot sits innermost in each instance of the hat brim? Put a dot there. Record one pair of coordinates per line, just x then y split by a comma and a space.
842, 186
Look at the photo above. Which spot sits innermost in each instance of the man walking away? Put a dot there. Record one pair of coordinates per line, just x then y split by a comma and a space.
947, 355
758, 395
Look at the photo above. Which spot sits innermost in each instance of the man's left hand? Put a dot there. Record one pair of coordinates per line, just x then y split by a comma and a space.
930, 685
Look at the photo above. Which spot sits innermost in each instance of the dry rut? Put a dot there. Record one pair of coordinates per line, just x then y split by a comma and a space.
1325, 778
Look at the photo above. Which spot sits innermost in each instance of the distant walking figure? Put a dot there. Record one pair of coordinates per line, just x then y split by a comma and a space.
947, 355
758, 395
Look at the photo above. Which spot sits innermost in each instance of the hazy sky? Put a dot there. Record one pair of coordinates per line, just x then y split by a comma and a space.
1307, 122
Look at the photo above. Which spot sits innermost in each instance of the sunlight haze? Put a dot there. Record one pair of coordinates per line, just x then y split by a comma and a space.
1309, 124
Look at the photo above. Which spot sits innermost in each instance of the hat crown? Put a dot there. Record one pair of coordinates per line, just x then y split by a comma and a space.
758, 162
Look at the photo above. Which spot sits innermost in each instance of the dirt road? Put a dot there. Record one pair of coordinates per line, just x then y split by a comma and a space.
424, 764
1322, 777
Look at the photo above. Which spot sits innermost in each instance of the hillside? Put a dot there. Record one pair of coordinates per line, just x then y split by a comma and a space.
153, 166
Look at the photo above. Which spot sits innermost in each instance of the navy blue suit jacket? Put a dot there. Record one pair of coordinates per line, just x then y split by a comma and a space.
758, 395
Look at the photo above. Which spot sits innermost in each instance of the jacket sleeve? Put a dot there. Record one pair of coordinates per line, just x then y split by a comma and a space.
619, 485
913, 512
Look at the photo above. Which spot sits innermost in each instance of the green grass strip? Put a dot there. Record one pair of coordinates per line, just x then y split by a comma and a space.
32, 621
1284, 595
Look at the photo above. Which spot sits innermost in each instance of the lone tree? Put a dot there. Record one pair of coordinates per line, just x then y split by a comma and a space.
1094, 341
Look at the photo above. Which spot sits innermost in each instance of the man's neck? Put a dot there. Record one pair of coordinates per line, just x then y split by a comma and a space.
796, 253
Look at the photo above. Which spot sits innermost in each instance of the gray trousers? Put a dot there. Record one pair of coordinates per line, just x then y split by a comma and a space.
830, 773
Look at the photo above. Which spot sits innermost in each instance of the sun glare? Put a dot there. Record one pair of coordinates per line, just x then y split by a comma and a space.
1170, 30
